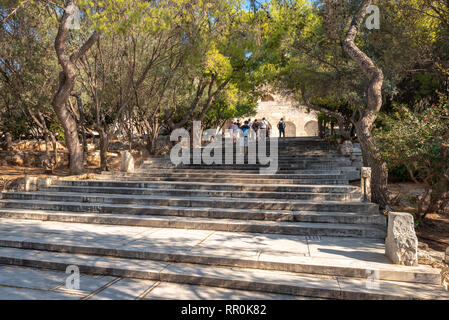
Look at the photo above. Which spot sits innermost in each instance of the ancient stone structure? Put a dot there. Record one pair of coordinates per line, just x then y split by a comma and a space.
300, 123
127, 162
303, 231
366, 184
401, 244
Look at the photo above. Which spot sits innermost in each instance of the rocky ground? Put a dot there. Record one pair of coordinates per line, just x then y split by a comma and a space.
434, 231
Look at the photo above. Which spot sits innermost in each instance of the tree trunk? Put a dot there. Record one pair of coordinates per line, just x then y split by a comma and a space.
55, 150
379, 172
8, 141
66, 84
104, 147
365, 124
69, 125
47, 162
151, 144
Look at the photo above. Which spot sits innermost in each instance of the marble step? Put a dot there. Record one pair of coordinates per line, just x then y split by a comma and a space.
22, 209
150, 170
243, 186
308, 166
221, 175
208, 193
307, 285
262, 204
228, 225
223, 180
232, 255
280, 157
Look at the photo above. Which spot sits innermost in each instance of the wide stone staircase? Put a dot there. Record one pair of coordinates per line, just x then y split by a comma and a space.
303, 231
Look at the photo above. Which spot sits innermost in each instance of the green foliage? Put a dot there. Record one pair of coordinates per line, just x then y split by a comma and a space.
399, 174
16, 126
419, 141
58, 130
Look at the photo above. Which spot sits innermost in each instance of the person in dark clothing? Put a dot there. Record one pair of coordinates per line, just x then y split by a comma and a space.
245, 132
256, 126
281, 127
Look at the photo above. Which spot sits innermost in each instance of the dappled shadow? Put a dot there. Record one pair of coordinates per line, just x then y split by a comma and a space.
358, 255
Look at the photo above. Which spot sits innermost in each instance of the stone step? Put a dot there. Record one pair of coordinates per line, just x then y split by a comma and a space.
152, 170
281, 165
230, 179
221, 175
309, 166
228, 225
307, 285
279, 157
350, 173
267, 146
205, 212
233, 254
208, 193
262, 204
182, 185
298, 165
287, 144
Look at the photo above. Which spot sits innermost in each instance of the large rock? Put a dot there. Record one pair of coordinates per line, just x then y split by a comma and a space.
366, 184
127, 162
432, 258
401, 245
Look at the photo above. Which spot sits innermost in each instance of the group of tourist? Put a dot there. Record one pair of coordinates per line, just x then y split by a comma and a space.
257, 128
253, 130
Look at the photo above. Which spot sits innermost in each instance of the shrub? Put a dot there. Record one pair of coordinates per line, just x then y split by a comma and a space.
420, 143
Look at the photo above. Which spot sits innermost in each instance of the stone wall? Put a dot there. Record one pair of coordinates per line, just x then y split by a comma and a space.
299, 122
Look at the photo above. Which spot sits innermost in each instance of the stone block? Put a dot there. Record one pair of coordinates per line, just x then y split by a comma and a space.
31, 184
127, 162
44, 182
366, 184
401, 244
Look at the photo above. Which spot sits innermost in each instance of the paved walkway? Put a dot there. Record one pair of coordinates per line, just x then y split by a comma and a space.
284, 251
232, 245
20, 283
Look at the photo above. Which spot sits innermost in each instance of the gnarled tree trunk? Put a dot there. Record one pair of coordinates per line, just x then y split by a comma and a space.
104, 147
368, 116
67, 80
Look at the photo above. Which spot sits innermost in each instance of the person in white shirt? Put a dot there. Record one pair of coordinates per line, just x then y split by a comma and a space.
235, 130
263, 126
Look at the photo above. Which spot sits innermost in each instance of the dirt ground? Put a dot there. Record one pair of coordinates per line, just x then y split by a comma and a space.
434, 231
8, 173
